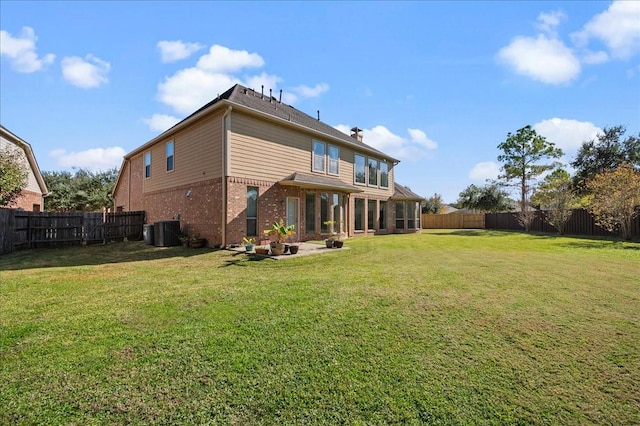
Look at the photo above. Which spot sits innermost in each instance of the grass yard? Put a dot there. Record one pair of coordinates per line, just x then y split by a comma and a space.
446, 327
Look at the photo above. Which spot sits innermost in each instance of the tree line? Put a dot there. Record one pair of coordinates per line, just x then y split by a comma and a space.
605, 181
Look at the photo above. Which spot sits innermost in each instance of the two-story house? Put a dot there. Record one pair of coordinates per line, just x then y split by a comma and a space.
246, 159
32, 195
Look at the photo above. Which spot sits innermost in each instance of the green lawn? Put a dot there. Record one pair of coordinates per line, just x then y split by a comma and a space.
446, 327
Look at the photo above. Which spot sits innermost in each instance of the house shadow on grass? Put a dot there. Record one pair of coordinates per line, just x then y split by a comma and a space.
110, 253
240, 259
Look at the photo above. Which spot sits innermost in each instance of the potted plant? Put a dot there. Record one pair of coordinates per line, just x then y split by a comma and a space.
281, 232
262, 250
249, 243
293, 248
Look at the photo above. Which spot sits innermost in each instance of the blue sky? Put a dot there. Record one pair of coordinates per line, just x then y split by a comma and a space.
436, 84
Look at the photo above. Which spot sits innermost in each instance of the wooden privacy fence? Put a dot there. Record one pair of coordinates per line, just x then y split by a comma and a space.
453, 221
22, 229
581, 223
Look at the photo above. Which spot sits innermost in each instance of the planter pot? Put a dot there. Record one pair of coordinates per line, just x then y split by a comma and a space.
329, 243
293, 249
200, 242
277, 249
286, 248
261, 250
338, 244
249, 247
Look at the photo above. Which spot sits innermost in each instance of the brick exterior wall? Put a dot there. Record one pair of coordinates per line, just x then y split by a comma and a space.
198, 205
271, 206
27, 200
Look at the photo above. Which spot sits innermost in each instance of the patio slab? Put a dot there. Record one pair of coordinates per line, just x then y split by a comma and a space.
305, 249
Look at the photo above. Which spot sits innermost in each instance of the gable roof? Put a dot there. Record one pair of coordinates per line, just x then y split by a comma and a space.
31, 158
401, 192
248, 100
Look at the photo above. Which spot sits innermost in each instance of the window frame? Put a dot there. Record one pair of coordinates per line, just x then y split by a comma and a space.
335, 160
171, 158
318, 157
252, 218
385, 173
371, 161
147, 165
355, 169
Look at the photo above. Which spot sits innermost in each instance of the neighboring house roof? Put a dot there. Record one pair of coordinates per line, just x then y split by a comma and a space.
31, 158
447, 209
249, 100
304, 180
401, 192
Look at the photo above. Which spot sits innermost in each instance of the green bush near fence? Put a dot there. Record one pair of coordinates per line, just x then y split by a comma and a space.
446, 327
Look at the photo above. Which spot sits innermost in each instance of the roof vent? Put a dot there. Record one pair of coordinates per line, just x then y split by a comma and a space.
356, 133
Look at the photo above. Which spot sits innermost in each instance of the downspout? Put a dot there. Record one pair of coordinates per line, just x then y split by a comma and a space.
225, 170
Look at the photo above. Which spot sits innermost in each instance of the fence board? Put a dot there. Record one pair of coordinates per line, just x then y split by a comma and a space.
22, 229
453, 221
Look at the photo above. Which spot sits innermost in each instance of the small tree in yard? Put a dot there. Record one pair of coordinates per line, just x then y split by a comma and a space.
433, 205
614, 198
523, 154
555, 196
13, 176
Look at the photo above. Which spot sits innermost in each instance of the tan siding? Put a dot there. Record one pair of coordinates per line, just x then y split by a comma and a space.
263, 150
197, 155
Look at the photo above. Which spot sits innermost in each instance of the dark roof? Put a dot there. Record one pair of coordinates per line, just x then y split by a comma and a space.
305, 180
401, 192
269, 105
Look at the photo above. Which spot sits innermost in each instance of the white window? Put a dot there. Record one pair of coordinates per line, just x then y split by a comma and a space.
334, 160
359, 169
319, 152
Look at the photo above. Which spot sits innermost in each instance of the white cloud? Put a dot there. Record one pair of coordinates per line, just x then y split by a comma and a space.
93, 159
21, 51
593, 58
483, 171
567, 134
161, 122
311, 92
86, 73
172, 51
544, 59
218, 70
221, 59
417, 146
549, 21
418, 136
618, 27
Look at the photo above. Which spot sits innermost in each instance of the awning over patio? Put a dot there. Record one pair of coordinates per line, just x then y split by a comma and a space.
303, 180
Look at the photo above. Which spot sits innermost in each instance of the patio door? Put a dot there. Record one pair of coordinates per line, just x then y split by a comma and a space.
293, 209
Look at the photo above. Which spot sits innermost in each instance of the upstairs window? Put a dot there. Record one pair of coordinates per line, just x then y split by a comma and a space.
384, 174
170, 156
319, 152
359, 169
147, 165
334, 160
373, 172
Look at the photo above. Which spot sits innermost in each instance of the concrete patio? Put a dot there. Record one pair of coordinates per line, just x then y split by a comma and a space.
305, 249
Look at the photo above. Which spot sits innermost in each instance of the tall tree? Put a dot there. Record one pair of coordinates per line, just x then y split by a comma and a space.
608, 151
556, 198
433, 205
523, 158
82, 191
614, 198
13, 176
488, 198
